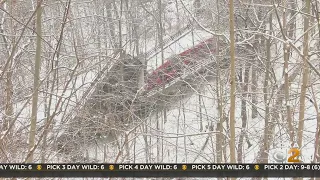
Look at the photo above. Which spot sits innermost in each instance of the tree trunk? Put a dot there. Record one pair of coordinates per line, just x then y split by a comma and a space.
34, 112
286, 56
233, 85
9, 85
254, 86
265, 146
178, 15
160, 37
9, 94
111, 26
219, 128
243, 110
184, 132
158, 138
305, 75
200, 113
178, 131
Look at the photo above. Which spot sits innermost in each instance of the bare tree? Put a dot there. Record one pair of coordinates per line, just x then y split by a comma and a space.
233, 84
33, 119
305, 74
113, 80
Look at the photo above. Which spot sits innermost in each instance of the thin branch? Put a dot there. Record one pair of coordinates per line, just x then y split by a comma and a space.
205, 29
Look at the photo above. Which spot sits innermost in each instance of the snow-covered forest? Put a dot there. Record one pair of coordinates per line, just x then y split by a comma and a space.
163, 81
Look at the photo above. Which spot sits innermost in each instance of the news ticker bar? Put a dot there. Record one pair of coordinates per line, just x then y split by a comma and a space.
159, 170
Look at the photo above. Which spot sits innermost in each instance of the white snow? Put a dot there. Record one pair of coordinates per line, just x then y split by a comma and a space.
180, 136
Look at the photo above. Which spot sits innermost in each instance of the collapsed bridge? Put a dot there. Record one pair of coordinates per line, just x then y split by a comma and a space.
125, 93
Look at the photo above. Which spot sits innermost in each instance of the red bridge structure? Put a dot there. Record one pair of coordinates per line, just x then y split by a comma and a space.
195, 61
173, 67
114, 101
